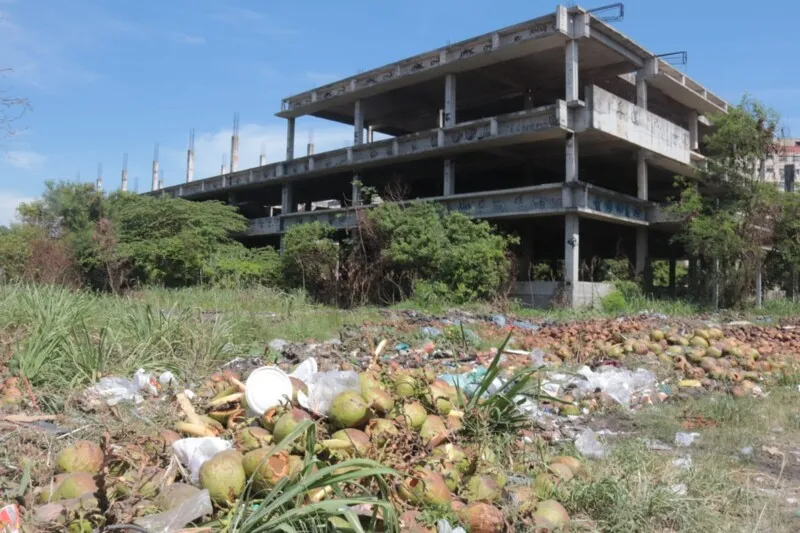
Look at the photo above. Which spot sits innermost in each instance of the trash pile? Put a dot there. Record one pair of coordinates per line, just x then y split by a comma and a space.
237, 441
251, 430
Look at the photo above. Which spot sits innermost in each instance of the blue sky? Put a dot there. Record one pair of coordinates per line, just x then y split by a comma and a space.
114, 76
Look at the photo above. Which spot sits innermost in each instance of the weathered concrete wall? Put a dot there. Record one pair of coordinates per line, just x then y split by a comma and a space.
625, 120
544, 294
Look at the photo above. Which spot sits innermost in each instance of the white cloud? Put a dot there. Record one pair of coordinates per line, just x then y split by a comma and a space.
25, 159
191, 39
211, 147
9, 201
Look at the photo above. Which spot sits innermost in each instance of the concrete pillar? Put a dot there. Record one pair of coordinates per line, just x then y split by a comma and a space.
571, 170
189, 165
356, 193
286, 199
673, 264
290, 139
641, 251
571, 69
694, 141
310, 149
358, 124
794, 284
262, 160
715, 289
641, 175
124, 186
528, 102
641, 89
759, 288
370, 134
449, 100
449, 177
571, 254
154, 184
692, 275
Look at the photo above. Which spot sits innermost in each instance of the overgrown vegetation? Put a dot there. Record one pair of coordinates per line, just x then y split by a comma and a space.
732, 217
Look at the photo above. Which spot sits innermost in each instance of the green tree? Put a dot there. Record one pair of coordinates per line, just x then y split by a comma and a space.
169, 241
233, 265
730, 214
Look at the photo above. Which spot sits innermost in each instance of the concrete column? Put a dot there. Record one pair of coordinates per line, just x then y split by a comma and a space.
358, 124
641, 175
449, 177
641, 251
715, 289
154, 184
571, 69
571, 253
528, 102
356, 192
692, 275
189, 165
673, 264
290, 139
794, 284
641, 89
286, 199
694, 141
571, 170
450, 100
759, 288
370, 134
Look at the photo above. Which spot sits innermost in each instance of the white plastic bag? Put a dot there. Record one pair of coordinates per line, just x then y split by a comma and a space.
176, 519
588, 445
115, 390
194, 451
443, 526
145, 382
684, 440
325, 386
619, 383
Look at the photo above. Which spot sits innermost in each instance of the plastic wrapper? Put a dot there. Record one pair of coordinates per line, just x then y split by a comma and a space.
323, 387
114, 390
443, 526
194, 451
588, 445
684, 440
177, 518
620, 384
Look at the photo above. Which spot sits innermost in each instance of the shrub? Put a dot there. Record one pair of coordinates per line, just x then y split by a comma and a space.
236, 266
310, 260
397, 249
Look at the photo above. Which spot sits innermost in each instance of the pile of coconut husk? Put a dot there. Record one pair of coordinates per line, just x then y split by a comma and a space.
408, 420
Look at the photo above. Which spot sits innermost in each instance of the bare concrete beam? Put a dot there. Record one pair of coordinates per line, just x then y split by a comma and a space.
631, 56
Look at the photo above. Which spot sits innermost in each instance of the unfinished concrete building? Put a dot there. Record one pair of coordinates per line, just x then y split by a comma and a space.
559, 129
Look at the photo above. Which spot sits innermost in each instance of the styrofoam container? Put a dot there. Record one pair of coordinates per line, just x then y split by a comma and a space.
267, 387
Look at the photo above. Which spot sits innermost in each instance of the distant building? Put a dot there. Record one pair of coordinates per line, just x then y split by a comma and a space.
783, 169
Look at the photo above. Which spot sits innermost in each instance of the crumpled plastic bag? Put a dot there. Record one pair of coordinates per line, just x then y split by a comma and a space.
684, 440
443, 526
323, 387
588, 445
115, 390
192, 452
619, 383
176, 518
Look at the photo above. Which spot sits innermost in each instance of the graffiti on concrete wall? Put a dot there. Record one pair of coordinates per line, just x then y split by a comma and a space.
616, 207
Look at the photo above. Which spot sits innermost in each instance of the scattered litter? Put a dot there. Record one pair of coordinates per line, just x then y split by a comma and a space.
167, 378
656, 445
401, 347
177, 518
524, 324
443, 526
588, 445
430, 332
192, 452
499, 321
267, 387
115, 390
470, 381
145, 382
684, 463
323, 387
10, 520
680, 489
684, 440
277, 345
619, 383
747, 451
